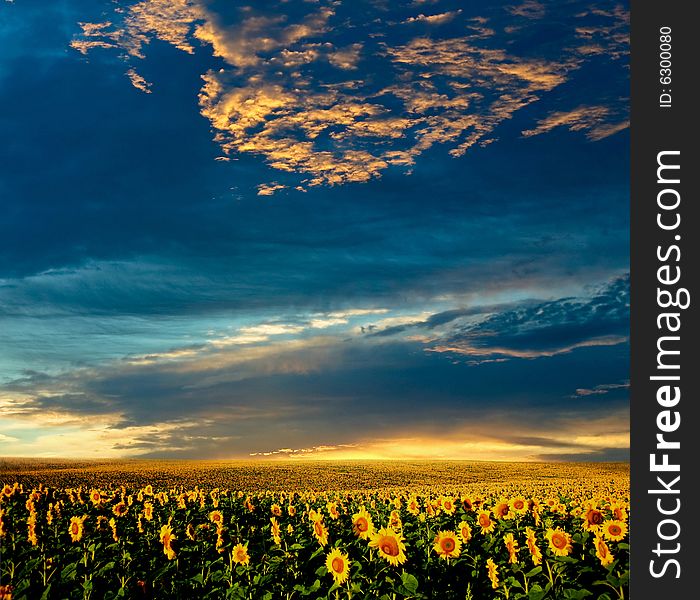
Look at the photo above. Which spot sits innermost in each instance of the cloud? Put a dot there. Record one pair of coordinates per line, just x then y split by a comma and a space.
334, 392
596, 121
346, 58
548, 328
138, 81
271, 95
267, 189
524, 329
437, 19
599, 390
530, 9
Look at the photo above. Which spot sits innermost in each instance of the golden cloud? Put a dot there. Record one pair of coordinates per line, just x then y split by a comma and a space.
274, 97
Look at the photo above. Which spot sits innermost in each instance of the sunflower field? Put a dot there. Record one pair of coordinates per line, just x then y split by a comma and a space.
534, 541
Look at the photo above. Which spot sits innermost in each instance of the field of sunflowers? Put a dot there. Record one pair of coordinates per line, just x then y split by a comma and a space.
561, 535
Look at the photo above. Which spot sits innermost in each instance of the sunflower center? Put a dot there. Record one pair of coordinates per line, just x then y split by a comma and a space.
75, 528
519, 504
448, 545
559, 541
389, 546
615, 530
596, 518
338, 565
362, 524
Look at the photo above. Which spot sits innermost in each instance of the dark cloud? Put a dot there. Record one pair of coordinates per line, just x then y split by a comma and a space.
603, 455
549, 327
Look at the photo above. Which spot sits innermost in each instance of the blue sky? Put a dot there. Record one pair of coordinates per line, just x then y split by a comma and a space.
314, 229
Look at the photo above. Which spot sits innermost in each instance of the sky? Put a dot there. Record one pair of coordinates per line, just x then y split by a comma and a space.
314, 229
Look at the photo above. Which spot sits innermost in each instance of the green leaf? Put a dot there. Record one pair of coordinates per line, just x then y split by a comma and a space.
409, 582
576, 594
47, 592
68, 573
105, 569
533, 572
536, 593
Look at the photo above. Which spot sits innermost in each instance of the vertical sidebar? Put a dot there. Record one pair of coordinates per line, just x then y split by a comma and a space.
663, 297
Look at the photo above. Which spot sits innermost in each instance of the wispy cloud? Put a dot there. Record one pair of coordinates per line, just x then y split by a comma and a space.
599, 390
598, 122
436, 19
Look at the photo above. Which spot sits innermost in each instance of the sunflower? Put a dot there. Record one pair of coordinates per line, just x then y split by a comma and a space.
519, 505
332, 508
220, 540
120, 509
217, 517
447, 545
448, 504
96, 497
337, 565
531, 541
321, 532
413, 506
3, 530
276, 510
614, 531
467, 504
275, 531
76, 528
465, 531
485, 522
7, 490
619, 511
148, 510
113, 526
390, 545
362, 524
291, 510
603, 552
31, 529
592, 519
190, 532
493, 573
502, 510
559, 541
395, 519
512, 546
240, 554
148, 490
166, 538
